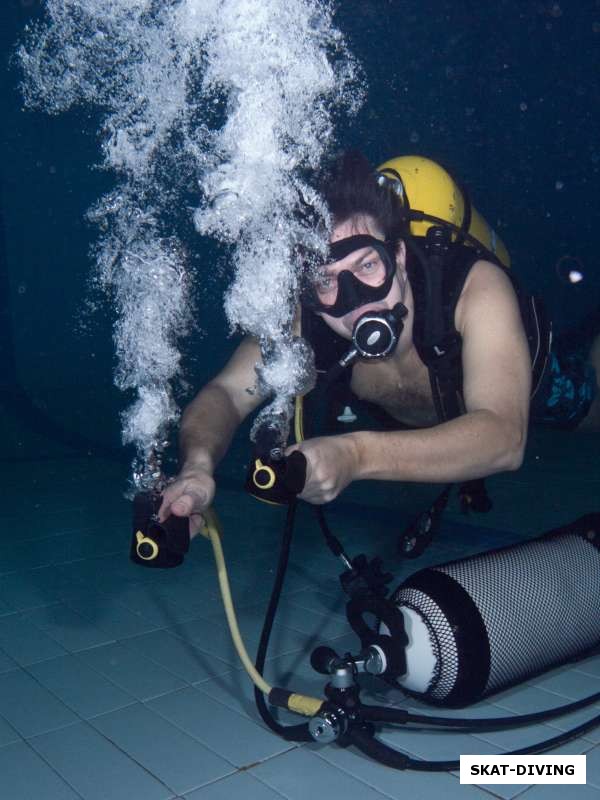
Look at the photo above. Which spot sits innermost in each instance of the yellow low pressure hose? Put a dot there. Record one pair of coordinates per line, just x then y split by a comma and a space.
212, 531
299, 419
301, 704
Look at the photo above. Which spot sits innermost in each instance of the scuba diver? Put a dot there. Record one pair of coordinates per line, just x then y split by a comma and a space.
467, 365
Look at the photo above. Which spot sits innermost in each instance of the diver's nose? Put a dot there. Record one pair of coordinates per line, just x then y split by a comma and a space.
348, 291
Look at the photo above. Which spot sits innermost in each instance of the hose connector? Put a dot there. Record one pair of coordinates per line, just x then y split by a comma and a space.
329, 725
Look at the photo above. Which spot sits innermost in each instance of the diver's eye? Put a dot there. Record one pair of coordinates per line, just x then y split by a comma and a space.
368, 266
370, 269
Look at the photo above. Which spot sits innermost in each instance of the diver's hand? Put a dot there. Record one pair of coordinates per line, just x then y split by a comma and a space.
189, 495
331, 464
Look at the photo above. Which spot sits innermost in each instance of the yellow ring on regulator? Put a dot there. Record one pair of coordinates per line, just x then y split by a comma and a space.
260, 467
141, 539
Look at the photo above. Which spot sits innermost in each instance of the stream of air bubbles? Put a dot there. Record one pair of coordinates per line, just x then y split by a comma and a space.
275, 71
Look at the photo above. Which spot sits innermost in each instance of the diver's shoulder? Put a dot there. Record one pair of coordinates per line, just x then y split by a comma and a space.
486, 284
485, 277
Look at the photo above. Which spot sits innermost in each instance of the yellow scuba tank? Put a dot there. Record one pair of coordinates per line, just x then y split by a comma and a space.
427, 187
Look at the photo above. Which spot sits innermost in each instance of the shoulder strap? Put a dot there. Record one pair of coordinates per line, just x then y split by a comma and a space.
437, 270
538, 329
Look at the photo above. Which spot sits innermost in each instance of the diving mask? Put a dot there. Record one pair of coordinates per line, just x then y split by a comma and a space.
367, 280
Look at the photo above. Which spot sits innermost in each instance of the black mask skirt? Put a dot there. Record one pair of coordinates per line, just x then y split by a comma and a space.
353, 293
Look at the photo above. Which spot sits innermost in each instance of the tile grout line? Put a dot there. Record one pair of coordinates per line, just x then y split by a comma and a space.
123, 752
87, 722
51, 767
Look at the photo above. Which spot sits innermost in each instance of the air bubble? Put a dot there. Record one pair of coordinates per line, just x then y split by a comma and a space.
278, 68
570, 270
555, 10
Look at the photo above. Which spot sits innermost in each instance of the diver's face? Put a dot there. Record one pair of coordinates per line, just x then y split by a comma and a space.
363, 264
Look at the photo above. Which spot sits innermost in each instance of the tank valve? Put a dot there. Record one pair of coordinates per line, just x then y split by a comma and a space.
371, 660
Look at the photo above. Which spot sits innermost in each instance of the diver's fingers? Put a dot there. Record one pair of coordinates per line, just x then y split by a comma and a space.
197, 522
182, 503
189, 503
163, 509
182, 507
170, 495
292, 449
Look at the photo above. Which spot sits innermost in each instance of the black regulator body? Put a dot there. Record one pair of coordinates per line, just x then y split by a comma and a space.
154, 543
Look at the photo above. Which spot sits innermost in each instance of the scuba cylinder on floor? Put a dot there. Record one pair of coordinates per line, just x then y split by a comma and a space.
477, 625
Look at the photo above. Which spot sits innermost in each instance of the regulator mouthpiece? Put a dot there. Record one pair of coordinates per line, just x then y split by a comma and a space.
375, 335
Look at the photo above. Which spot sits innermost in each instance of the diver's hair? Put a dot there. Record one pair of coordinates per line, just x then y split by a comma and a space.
351, 190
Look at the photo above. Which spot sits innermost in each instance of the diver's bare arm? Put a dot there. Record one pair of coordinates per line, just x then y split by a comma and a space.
491, 436
211, 419
477, 444
207, 427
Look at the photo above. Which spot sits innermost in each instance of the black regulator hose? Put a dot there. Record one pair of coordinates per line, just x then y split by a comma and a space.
399, 716
292, 733
558, 741
384, 754
364, 741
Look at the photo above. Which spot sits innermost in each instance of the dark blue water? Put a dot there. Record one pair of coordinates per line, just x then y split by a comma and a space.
505, 94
